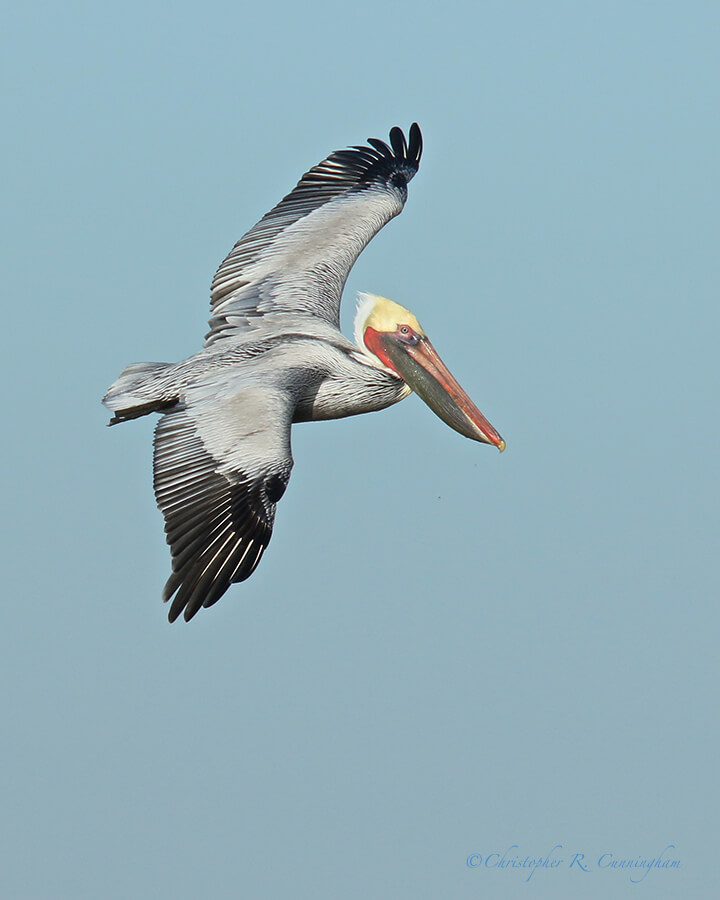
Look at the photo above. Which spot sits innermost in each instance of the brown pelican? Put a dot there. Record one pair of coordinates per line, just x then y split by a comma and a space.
275, 355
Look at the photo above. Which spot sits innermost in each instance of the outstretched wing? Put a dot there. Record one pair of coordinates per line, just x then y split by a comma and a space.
298, 256
220, 467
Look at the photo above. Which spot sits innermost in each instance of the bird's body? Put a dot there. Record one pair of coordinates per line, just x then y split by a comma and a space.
327, 375
275, 355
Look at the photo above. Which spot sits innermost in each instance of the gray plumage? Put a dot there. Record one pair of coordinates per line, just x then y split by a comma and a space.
274, 355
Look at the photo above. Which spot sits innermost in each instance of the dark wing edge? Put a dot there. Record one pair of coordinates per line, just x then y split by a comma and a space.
389, 167
217, 523
355, 168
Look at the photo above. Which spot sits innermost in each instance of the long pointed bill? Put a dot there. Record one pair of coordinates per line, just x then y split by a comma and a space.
423, 370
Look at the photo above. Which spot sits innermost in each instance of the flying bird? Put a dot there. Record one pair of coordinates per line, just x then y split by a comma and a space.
275, 355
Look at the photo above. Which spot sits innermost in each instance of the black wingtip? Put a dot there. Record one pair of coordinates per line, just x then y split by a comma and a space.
408, 151
398, 142
416, 143
392, 164
381, 147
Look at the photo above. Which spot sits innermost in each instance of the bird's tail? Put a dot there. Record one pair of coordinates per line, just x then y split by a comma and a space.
140, 389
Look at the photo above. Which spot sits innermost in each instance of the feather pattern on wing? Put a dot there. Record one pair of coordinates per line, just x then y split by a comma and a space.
298, 256
219, 470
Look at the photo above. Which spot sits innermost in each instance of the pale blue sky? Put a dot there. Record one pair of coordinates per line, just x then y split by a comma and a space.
445, 651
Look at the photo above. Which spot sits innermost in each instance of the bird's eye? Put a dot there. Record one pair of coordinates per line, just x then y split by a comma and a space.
407, 334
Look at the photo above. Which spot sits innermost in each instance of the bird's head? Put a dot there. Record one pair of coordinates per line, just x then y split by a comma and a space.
395, 338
